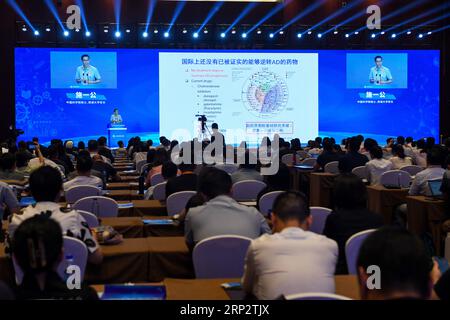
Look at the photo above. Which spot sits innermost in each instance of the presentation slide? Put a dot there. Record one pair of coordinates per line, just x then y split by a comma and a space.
73, 93
256, 94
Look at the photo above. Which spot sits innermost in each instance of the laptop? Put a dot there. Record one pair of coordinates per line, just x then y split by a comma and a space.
435, 189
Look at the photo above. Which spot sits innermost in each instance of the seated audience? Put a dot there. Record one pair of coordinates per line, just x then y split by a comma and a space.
121, 151
186, 181
46, 186
42, 160
93, 150
248, 170
37, 247
8, 168
221, 214
292, 260
433, 171
22, 160
350, 214
169, 170
377, 166
8, 200
104, 170
404, 265
161, 156
399, 159
328, 155
103, 149
279, 181
420, 153
84, 176
352, 158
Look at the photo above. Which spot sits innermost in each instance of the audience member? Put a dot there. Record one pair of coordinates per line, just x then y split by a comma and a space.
377, 166
352, 158
84, 176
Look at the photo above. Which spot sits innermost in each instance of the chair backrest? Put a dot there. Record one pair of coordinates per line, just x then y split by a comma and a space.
266, 202
288, 159
316, 296
247, 189
332, 167
412, 169
90, 218
140, 164
177, 201
352, 248
75, 253
228, 167
319, 217
361, 172
101, 207
309, 162
79, 192
159, 191
220, 257
396, 178
156, 178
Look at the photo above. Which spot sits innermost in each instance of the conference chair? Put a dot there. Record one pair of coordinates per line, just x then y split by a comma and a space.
266, 202
140, 164
332, 167
156, 178
177, 201
82, 191
90, 218
144, 168
227, 167
309, 162
319, 217
220, 257
159, 191
395, 179
352, 249
288, 159
412, 169
315, 296
247, 189
75, 253
361, 172
101, 207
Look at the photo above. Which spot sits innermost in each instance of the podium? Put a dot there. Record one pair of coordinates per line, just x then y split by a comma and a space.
116, 132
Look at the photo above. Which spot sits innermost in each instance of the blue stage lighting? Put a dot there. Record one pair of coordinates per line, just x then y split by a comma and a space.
269, 15
347, 35
176, 13
48, 29
319, 35
420, 36
19, 11
211, 14
166, 34
155, 31
299, 35
259, 31
356, 32
302, 14
88, 34
244, 35
151, 9
271, 35
373, 35
195, 35
36, 32
55, 13
393, 35
408, 33
83, 16
24, 29
66, 33
223, 35
118, 34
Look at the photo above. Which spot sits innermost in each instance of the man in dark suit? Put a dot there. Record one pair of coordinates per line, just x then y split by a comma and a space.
352, 158
103, 150
187, 181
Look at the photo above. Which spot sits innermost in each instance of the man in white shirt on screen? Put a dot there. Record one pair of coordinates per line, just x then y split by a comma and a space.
87, 74
293, 260
379, 74
84, 177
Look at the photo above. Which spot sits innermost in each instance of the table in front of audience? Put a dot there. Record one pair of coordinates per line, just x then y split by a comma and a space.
210, 289
425, 214
383, 201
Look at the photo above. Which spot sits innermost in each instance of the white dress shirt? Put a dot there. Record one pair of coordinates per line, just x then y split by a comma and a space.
71, 222
84, 181
290, 262
399, 162
376, 168
419, 185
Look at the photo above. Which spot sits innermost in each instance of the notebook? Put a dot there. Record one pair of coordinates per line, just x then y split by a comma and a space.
435, 189
27, 201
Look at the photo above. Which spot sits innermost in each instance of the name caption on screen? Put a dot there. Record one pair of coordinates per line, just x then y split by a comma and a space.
237, 309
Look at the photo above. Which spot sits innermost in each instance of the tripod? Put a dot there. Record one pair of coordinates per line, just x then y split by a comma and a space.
202, 135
